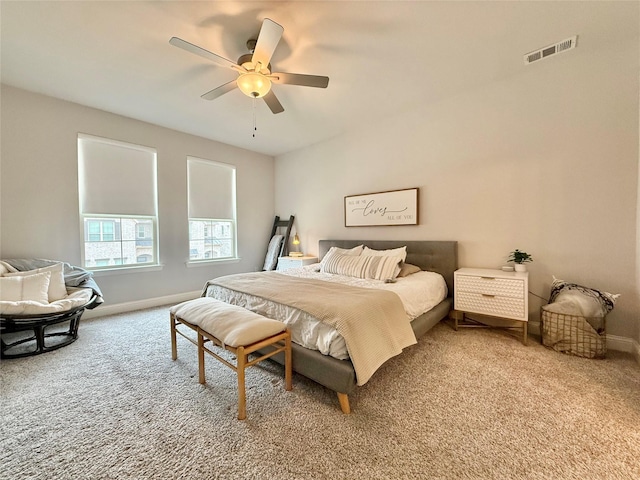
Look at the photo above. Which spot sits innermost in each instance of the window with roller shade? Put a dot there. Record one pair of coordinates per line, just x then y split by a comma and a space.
212, 210
117, 185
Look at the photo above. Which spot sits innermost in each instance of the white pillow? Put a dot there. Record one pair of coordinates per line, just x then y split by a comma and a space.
392, 252
376, 267
27, 287
57, 288
347, 251
355, 251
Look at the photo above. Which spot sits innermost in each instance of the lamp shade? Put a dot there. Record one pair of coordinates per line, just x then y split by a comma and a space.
296, 239
254, 84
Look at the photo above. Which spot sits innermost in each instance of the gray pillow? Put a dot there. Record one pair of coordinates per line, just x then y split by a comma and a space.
408, 269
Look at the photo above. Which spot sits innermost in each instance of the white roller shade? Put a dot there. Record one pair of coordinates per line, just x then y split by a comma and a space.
116, 178
211, 189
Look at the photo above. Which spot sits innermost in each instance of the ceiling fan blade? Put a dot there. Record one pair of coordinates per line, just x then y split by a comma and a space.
300, 79
273, 103
190, 47
221, 90
268, 38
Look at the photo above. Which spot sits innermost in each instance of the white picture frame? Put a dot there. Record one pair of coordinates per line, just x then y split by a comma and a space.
395, 207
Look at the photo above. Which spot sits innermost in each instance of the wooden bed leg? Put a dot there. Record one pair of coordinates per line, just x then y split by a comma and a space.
174, 347
344, 403
201, 377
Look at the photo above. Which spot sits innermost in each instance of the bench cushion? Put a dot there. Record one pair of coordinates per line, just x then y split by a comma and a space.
232, 325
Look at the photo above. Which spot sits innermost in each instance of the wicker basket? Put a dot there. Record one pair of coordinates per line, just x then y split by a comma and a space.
574, 335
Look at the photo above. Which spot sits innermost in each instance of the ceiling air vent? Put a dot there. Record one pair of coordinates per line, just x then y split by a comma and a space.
563, 46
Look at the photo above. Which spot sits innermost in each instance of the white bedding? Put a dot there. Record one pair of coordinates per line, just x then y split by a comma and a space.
419, 293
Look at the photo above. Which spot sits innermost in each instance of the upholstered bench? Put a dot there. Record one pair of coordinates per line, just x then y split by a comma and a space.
234, 329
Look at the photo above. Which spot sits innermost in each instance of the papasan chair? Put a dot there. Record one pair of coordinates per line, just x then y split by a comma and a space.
41, 302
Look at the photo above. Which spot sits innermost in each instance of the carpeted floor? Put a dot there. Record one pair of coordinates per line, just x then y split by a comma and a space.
472, 404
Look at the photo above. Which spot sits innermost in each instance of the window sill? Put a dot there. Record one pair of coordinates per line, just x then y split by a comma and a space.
209, 263
126, 270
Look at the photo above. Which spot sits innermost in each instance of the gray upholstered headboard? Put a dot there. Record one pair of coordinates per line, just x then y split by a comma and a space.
435, 256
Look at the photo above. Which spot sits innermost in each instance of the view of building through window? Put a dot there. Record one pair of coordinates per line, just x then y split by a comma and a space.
118, 241
210, 239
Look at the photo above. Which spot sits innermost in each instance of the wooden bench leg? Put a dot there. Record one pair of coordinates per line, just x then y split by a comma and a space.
344, 403
201, 377
288, 385
174, 345
242, 398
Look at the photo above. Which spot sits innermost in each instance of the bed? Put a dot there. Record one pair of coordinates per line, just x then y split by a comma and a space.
338, 372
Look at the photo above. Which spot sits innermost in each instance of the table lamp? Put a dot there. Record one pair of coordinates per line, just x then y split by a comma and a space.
296, 242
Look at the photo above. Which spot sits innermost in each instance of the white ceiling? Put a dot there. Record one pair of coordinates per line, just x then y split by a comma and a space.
383, 58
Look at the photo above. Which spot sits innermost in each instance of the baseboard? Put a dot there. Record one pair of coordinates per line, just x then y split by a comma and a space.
534, 328
621, 344
614, 342
105, 309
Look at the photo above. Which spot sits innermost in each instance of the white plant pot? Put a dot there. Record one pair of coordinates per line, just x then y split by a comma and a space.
520, 267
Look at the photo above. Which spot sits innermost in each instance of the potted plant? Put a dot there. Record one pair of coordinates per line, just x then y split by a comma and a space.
520, 258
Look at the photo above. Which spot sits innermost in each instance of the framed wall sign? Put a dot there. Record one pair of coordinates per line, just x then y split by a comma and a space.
397, 207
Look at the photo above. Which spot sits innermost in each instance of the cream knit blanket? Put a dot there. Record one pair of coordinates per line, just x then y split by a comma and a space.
373, 323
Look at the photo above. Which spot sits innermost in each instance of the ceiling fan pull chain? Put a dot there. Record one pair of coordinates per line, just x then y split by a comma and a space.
254, 118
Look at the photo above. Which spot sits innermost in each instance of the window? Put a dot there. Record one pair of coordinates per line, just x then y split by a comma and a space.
118, 203
212, 210
209, 239
142, 230
119, 239
100, 230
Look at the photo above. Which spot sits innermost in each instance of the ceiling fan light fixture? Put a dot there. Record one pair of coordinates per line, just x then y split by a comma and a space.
254, 85
254, 68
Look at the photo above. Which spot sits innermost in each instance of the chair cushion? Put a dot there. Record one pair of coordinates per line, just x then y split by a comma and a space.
74, 300
232, 325
25, 288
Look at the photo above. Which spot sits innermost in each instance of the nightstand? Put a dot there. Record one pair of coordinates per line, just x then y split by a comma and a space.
493, 293
285, 263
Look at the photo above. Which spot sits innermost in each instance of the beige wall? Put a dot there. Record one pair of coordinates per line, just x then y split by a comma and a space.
546, 161
39, 192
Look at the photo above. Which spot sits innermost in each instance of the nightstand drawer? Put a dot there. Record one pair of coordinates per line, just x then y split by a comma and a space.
284, 263
493, 305
505, 287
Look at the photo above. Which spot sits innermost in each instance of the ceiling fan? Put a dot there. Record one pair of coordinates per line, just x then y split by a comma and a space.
254, 70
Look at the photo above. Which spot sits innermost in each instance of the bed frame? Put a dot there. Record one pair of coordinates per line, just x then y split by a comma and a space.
339, 375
